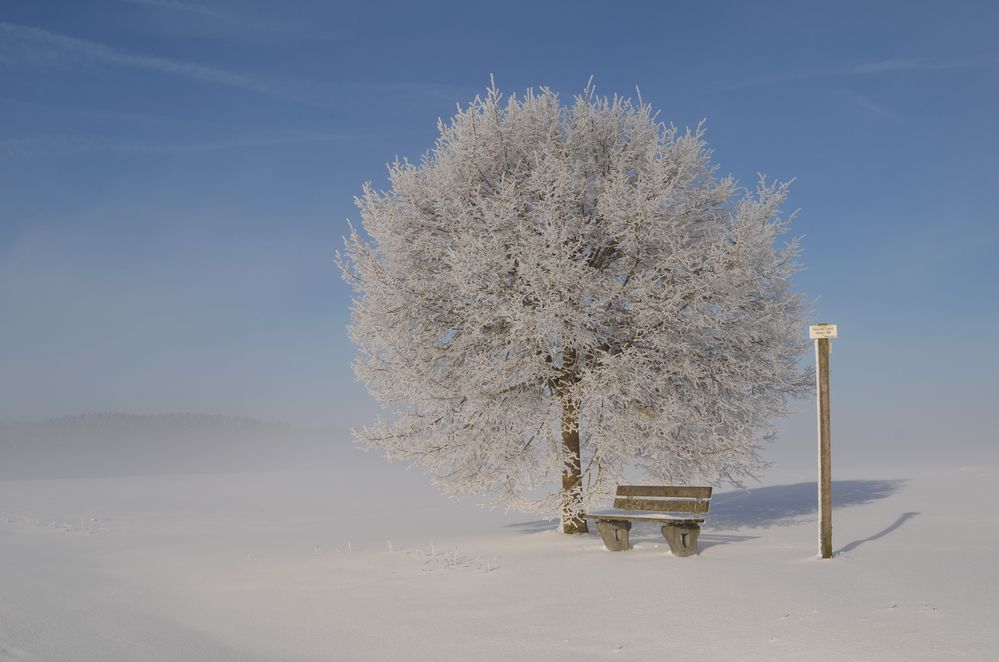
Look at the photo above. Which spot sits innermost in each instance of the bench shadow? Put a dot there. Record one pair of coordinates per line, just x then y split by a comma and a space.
849, 547
651, 533
534, 526
641, 532
758, 508
708, 540
785, 505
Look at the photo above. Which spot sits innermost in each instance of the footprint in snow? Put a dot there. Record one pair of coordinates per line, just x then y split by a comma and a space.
10, 653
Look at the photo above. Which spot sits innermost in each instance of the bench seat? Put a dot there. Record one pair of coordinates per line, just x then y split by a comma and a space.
655, 503
648, 517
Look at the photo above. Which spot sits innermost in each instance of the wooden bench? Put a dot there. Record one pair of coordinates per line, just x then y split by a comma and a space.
658, 503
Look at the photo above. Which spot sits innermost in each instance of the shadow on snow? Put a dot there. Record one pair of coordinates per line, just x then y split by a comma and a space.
763, 507
783, 505
905, 517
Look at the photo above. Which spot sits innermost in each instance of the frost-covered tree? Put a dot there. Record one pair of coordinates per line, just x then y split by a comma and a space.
568, 291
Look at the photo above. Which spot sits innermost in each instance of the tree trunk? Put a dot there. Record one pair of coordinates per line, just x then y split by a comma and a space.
572, 474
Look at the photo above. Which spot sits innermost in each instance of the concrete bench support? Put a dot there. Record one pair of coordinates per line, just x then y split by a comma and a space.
682, 538
614, 533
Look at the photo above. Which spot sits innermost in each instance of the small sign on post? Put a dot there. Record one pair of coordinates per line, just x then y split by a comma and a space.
819, 331
821, 334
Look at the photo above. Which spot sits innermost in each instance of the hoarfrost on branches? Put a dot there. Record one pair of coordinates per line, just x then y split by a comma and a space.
564, 291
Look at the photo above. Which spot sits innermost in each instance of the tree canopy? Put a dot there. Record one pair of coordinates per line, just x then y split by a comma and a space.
568, 291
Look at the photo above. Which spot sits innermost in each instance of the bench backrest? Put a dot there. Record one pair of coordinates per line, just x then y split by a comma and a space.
663, 498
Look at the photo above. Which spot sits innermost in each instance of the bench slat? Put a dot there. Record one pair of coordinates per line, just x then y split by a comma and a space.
662, 505
651, 518
664, 491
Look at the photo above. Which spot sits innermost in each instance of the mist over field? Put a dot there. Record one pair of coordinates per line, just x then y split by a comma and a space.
117, 445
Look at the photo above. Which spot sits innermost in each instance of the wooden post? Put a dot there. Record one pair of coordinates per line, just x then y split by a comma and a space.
821, 333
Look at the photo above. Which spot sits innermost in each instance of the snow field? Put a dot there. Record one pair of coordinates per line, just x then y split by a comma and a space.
287, 566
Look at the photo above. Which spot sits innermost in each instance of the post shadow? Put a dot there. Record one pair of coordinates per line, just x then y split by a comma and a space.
849, 547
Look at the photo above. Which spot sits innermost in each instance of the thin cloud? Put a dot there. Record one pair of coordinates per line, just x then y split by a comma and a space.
916, 64
61, 145
776, 79
873, 106
241, 25
187, 7
889, 65
436, 91
20, 44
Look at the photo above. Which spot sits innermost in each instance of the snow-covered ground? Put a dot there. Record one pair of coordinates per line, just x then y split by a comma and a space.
353, 559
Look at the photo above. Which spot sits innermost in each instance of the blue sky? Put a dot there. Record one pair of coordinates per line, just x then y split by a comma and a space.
175, 177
